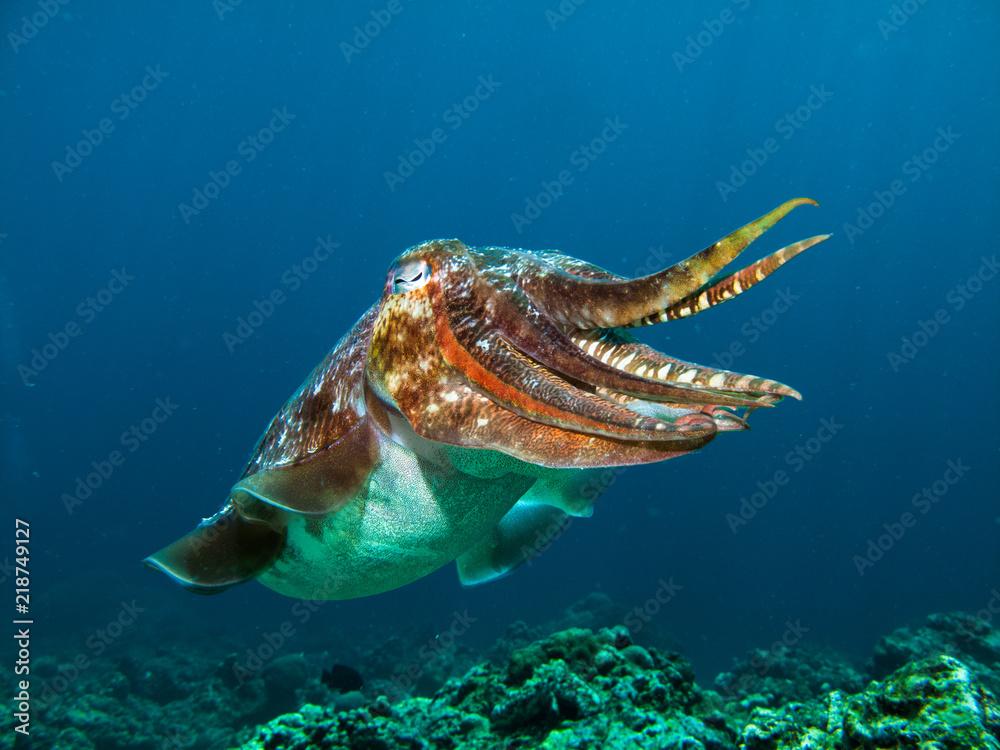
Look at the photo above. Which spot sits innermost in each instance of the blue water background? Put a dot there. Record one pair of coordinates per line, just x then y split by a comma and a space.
696, 90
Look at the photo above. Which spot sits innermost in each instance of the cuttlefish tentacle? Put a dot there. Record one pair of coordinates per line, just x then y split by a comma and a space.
732, 286
605, 303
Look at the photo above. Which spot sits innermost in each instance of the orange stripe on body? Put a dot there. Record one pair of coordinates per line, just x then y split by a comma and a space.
458, 357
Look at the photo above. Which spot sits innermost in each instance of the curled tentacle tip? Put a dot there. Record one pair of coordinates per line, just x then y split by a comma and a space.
803, 201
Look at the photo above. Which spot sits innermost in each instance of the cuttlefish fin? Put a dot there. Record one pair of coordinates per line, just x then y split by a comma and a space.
532, 525
520, 535
223, 550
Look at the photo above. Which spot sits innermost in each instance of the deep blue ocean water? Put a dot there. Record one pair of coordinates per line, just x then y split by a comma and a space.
168, 167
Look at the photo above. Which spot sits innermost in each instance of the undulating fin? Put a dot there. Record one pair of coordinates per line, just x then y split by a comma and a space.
224, 550
321, 482
526, 530
533, 523
712, 295
594, 302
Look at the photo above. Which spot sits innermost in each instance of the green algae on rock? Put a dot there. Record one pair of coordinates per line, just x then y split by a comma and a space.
581, 689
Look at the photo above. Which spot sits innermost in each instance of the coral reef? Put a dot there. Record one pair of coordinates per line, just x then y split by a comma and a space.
570, 683
583, 689
969, 639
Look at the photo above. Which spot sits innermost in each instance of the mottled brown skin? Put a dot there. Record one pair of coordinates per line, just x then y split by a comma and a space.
503, 352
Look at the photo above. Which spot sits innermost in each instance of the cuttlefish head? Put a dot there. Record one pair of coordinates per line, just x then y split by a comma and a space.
527, 352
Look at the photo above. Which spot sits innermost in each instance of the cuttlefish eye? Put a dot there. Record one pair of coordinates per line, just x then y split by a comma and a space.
409, 276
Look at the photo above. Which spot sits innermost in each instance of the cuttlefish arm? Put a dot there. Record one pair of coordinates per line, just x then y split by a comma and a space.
585, 300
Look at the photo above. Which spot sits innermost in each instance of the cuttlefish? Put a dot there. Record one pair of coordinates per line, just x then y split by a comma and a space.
468, 415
